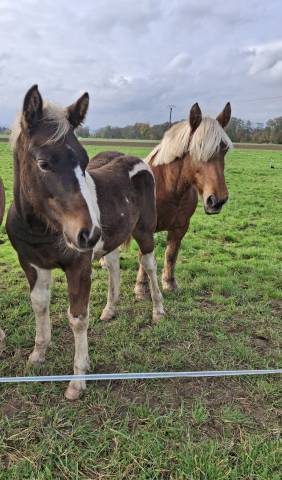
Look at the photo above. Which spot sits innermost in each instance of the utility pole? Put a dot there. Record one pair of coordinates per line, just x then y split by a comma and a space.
171, 107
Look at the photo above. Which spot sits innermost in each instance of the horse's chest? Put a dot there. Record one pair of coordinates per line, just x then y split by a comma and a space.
174, 211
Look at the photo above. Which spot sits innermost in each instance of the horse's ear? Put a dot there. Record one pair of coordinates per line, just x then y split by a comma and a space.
224, 117
32, 108
195, 117
77, 111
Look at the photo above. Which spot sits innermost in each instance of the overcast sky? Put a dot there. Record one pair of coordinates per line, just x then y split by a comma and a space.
135, 57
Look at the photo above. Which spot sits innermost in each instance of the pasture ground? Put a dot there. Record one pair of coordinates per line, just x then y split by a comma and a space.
226, 315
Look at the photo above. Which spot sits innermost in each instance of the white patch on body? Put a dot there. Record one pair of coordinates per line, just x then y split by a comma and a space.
139, 167
88, 191
126, 199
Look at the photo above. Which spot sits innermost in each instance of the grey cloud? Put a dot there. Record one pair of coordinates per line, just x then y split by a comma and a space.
266, 59
135, 58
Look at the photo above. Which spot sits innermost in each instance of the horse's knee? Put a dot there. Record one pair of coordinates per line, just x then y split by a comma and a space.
40, 294
79, 323
149, 263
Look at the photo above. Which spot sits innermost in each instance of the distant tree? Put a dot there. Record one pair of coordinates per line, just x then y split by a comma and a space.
275, 130
238, 130
83, 131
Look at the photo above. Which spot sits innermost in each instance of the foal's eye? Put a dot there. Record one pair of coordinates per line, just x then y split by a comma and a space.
43, 165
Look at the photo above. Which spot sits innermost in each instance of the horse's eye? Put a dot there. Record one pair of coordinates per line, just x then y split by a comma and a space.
43, 165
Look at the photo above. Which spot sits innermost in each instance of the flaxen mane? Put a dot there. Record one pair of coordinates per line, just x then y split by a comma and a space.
53, 115
204, 144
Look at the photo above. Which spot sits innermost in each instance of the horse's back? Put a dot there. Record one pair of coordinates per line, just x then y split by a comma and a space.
103, 158
116, 165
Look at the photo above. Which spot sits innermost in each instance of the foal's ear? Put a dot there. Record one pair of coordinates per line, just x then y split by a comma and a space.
32, 108
195, 117
77, 111
224, 117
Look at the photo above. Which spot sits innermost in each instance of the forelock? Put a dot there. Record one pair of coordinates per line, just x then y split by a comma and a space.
54, 116
177, 142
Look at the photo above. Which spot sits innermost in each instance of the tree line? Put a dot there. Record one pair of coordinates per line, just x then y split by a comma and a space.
238, 130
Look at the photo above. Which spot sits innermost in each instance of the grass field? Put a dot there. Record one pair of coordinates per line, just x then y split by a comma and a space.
226, 315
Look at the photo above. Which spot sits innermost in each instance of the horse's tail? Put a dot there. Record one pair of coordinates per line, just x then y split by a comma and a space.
2, 201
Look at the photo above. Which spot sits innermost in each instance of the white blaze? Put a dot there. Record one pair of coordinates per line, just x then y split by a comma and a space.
88, 191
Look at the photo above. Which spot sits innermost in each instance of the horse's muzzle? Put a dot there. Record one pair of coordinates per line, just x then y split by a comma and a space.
214, 205
87, 240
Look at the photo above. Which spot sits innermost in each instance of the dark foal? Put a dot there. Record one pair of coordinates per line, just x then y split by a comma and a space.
63, 215
188, 162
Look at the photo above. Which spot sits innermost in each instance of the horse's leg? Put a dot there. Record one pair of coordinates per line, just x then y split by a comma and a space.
174, 238
2, 339
40, 283
79, 284
141, 288
149, 264
112, 264
145, 242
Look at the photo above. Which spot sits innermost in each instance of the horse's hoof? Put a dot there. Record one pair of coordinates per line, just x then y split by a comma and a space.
72, 393
140, 296
107, 314
158, 315
142, 292
169, 285
74, 390
36, 358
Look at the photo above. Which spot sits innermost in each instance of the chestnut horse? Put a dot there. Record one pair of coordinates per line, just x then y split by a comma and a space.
64, 214
2, 210
188, 162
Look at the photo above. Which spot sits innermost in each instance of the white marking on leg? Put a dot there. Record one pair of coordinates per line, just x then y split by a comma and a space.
112, 264
88, 191
150, 266
141, 288
79, 326
139, 167
40, 299
2, 339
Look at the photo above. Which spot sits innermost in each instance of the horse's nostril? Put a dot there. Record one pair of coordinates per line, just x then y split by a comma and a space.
211, 201
87, 241
83, 237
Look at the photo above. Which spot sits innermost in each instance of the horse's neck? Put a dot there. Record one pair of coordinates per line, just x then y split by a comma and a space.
175, 178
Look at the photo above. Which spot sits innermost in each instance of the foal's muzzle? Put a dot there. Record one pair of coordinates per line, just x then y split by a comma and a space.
86, 239
213, 204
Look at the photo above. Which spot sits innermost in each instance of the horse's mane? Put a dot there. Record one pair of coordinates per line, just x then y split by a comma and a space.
204, 144
53, 115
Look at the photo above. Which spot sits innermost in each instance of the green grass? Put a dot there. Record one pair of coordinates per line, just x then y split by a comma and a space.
226, 315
